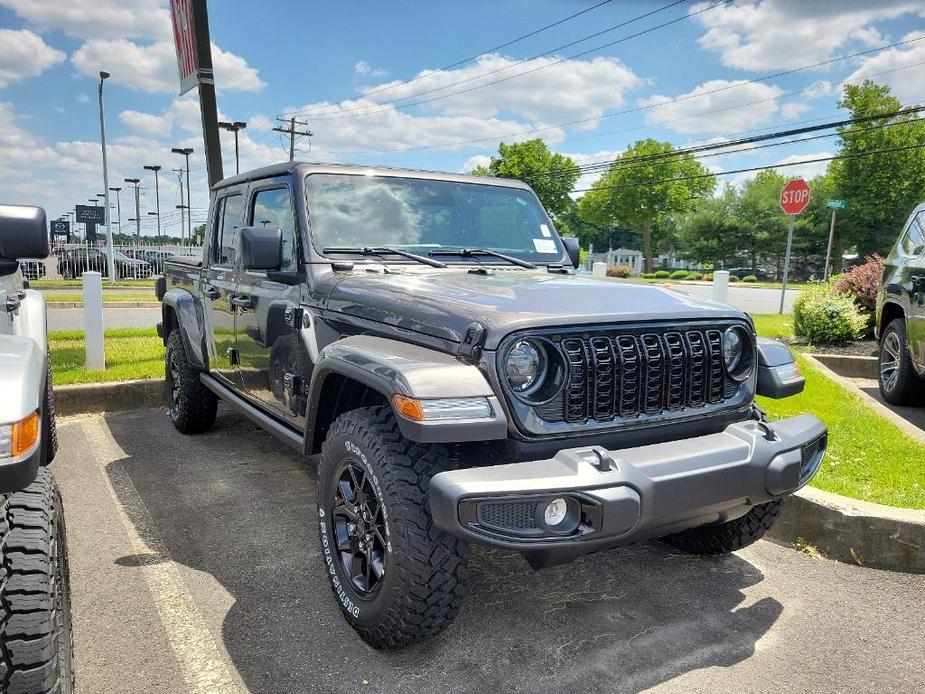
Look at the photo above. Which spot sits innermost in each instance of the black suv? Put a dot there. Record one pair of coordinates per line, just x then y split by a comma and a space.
427, 335
901, 316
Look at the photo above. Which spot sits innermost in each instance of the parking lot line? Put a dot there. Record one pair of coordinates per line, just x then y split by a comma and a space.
203, 667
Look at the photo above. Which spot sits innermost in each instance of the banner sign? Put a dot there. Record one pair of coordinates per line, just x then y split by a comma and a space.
91, 214
184, 37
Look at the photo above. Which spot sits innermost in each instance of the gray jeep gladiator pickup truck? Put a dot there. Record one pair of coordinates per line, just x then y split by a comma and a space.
427, 335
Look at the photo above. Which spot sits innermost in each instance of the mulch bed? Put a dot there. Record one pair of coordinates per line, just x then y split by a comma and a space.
861, 348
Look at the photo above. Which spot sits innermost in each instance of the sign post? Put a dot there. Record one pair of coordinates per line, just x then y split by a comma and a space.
835, 205
194, 59
794, 197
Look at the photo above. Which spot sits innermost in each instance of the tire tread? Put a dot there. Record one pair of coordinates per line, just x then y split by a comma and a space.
730, 536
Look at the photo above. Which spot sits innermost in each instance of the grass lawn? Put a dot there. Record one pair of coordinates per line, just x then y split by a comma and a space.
778, 327
115, 296
78, 284
131, 353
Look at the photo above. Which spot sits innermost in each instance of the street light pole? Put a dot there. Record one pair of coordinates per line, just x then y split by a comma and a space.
118, 206
157, 196
182, 205
234, 127
112, 265
135, 182
186, 151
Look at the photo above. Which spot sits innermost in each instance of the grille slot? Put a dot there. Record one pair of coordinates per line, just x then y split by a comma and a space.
512, 515
646, 371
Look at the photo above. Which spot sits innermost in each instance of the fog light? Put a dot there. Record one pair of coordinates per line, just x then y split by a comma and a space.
555, 512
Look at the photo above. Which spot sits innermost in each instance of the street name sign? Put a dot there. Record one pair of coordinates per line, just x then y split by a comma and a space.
836, 204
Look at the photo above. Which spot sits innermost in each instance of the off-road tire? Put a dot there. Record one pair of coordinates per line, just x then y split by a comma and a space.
908, 388
36, 641
49, 428
426, 576
195, 406
730, 536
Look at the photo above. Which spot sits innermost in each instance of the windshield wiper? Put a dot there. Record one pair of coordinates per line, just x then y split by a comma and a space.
472, 252
380, 250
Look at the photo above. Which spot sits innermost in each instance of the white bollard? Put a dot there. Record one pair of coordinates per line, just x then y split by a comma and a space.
599, 270
93, 320
721, 286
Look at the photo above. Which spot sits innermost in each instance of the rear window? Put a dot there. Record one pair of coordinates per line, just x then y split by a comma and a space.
913, 241
227, 220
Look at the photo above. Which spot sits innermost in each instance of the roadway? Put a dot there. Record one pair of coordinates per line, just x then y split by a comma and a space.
195, 567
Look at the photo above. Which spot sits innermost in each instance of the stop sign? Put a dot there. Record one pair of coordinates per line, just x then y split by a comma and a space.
794, 197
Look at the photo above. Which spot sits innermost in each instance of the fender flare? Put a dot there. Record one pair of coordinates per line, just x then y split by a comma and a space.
181, 309
390, 368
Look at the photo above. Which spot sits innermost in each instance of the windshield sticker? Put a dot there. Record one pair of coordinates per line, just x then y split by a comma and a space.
544, 245
545, 231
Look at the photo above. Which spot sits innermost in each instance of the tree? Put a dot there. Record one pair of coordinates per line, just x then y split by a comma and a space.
643, 188
881, 189
711, 232
552, 176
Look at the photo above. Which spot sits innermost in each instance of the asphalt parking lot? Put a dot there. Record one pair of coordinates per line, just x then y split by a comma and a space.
195, 568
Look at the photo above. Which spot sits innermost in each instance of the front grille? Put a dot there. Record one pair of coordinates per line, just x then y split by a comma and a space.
648, 371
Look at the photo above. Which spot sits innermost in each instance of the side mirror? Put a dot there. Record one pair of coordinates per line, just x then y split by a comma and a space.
260, 248
23, 232
573, 248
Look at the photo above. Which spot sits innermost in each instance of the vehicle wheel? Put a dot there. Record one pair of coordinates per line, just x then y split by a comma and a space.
899, 383
397, 578
730, 536
49, 428
36, 641
190, 404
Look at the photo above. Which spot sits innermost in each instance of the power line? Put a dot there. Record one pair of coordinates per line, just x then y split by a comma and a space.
754, 168
649, 107
292, 132
369, 110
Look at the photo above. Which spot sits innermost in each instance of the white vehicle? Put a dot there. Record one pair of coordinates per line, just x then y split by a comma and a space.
36, 646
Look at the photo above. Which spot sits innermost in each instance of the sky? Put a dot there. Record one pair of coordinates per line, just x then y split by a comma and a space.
428, 85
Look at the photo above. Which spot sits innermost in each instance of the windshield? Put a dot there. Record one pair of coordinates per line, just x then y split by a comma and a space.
418, 215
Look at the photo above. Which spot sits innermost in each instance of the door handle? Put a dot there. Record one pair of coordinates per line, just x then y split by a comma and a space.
242, 301
211, 292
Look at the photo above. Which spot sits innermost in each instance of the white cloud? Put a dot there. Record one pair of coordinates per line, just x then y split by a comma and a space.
773, 34
806, 171
588, 179
570, 90
908, 84
718, 106
366, 70
24, 54
82, 98
153, 67
97, 18
475, 162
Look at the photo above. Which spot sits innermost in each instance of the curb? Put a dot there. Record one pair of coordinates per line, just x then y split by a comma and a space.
106, 304
108, 397
872, 402
852, 531
851, 366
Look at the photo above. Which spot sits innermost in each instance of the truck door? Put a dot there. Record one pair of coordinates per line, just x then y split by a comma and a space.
913, 279
218, 286
267, 344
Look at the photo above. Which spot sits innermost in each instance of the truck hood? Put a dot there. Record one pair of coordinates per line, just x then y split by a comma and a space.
443, 303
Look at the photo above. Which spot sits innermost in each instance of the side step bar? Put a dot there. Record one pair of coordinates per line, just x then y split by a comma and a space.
281, 431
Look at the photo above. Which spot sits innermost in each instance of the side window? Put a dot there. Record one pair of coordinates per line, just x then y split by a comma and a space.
227, 220
913, 242
273, 208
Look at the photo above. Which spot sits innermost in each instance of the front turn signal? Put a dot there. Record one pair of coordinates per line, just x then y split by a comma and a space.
25, 434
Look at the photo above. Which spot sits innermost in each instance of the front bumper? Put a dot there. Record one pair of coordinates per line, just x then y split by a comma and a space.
623, 496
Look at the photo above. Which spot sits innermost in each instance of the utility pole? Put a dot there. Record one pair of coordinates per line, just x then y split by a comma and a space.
118, 206
182, 205
234, 127
292, 133
157, 196
186, 151
135, 182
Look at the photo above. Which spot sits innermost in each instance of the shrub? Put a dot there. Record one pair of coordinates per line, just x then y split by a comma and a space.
708, 277
648, 275
678, 275
749, 278
733, 278
662, 275
694, 276
861, 282
823, 315
619, 271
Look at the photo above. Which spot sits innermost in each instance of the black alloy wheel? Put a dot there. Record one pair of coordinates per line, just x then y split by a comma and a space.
359, 529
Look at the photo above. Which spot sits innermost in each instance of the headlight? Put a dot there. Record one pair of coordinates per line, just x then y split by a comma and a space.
525, 366
737, 353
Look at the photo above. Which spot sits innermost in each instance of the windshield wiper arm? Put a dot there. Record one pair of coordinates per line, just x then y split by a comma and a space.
380, 250
472, 252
